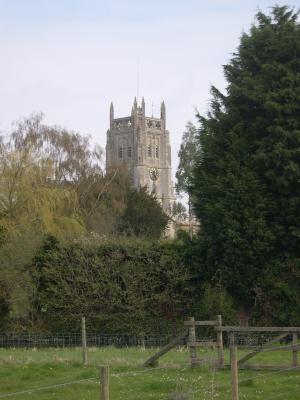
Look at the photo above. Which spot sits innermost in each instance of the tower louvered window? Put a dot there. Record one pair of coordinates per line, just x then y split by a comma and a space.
129, 152
120, 152
149, 150
156, 151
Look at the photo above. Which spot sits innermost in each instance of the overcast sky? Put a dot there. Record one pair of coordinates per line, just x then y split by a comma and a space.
70, 58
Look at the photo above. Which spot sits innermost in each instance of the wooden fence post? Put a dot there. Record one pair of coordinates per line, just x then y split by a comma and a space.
192, 342
220, 343
295, 350
104, 382
234, 373
83, 339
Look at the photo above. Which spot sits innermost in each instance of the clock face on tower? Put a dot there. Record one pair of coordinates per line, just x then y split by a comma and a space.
154, 174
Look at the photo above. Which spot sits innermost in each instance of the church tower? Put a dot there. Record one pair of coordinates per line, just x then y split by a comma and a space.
143, 145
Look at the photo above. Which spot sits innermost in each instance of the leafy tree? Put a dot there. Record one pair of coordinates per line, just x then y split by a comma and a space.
178, 211
187, 158
29, 198
71, 162
143, 216
54, 162
246, 181
107, 202
70, 154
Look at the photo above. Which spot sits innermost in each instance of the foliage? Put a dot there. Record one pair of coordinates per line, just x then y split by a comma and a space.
2, 235
216, 301
105, 202
36, 198
143, 216
130, 286
15, 283
70, 154
277, 299
187, 157
187, 154
30, 194
246, 180
37, 164
178, 211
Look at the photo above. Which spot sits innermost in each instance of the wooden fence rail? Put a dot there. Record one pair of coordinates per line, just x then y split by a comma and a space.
175, 342
268, 329
232, 331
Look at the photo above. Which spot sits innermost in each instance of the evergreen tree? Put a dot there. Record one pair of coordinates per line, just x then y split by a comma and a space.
143, 216
246, 182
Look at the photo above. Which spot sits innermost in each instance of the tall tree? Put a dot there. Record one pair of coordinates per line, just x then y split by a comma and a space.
246, 182
187, 158
66, 161
31, 193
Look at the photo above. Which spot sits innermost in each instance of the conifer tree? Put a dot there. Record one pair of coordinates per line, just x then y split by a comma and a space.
246, 181
143, 215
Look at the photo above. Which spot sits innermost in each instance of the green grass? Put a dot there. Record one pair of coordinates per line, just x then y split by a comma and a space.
22, 370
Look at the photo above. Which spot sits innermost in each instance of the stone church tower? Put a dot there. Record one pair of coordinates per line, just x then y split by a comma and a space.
143, 145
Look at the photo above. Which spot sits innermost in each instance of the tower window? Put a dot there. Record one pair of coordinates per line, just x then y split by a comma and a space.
156, 151
149, 150
121, 152
129, 152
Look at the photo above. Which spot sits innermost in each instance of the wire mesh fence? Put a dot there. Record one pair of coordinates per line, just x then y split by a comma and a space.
94, 339
62, 340
256, 339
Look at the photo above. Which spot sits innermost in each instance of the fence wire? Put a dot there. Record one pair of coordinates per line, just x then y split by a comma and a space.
75, 382
62, 340
38, 389
212, 389
255, 339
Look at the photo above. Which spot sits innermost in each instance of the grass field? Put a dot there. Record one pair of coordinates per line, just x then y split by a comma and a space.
25, 370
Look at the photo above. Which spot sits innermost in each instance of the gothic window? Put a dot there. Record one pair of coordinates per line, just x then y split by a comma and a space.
156, 151
149, 151
129, 151
120, 152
